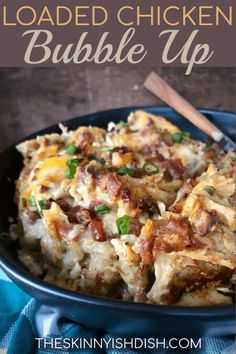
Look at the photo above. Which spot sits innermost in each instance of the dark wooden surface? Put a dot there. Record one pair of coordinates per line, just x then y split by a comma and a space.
34, 98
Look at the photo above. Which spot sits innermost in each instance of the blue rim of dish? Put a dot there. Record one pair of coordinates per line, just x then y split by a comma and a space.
14, 271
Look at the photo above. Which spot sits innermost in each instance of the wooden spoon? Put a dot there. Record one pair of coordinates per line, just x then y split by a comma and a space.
167, 94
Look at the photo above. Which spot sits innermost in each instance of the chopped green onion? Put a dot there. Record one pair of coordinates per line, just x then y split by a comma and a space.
32, 201
102, 209
124, 123
43, 204
107, 149
71, 150
126, 171
234, 158
123, 224
210, 190
179, 136
150, 168
187, 134
72, 164
70, 174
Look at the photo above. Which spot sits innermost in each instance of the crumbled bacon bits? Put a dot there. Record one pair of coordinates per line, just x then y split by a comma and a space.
78, 215
113, 185
86, 136
127, 198
63, 229
146, 250
174, 167
44, 189
63, 204
204, 221
173, 235
167, 236
33, 216
98, 231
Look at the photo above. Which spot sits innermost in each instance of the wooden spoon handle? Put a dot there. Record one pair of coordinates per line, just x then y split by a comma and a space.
167, 94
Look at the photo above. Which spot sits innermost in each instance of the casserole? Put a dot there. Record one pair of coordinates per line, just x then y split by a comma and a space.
124, 318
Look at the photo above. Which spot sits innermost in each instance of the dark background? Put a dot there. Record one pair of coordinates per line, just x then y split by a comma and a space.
34, 98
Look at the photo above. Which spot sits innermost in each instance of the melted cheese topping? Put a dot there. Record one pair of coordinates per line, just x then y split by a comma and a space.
139, 217
52, 170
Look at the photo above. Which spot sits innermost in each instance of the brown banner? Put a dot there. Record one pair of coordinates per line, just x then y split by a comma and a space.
120, 32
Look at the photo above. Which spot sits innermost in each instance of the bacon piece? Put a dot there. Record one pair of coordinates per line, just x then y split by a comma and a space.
179, 226
43, 189
101, 178
157, 158
177, 208
211, 153
83, 148
146, 250
97, 230
48, 204
127, 198
204, 221
63, 204
86, 137
196, 243
145, 132
106, 180
146, 150
94, 204
84, 142
121, 149
33, 217
126, 194
78, 215
176, 244
82, 175
165, 236
150, 152
113, 185
97, 173
137, 229
172, 235
138, 172
63, 229
173, 226
174, 167
147, 204
148, 128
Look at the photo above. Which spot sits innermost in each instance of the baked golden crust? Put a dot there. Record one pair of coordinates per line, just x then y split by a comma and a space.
140, 212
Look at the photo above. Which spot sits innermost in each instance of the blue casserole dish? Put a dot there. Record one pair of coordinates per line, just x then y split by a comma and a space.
115, 316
